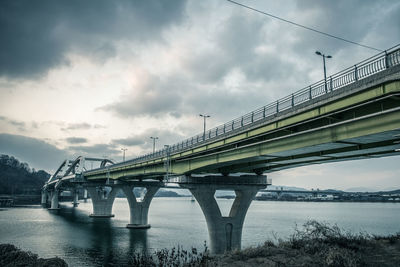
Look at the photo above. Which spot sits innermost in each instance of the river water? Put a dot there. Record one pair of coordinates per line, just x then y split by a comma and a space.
83, 241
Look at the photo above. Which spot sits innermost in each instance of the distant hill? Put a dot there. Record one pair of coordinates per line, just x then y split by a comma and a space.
285, 188
18, 178
361, 189
331, 191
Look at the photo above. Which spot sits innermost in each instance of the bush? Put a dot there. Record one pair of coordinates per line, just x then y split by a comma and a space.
10, 255
173, 257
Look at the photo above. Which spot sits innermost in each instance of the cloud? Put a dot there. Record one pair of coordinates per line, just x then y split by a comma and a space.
81, 126
97, 150
76, 140
130, 141
143, 140
20, 125
203, 83
37, 153
36, 36
150, 95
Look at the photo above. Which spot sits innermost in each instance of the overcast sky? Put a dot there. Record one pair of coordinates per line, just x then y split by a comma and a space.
92, 77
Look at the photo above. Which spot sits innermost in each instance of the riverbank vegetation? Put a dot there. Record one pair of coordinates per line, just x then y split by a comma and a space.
18, 178
11, 256
319, 244
313, 244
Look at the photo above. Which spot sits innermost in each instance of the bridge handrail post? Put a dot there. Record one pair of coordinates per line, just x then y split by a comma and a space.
292, 100
277, 106
386, 60
309, 91
355, 73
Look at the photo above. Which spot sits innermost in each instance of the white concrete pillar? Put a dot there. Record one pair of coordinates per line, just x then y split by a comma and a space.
139, 210
75, 195
102, 201
44, 199
54, 200
225, 232
85, 194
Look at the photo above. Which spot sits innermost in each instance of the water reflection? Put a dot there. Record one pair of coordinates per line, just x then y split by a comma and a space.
100, 240
137, 241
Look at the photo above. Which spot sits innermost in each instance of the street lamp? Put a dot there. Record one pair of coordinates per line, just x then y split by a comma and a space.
154, 142
204, 117
123, 155
323, 57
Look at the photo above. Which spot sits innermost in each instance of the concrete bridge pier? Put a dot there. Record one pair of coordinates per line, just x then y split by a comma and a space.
225, 232
85, 194
54, 200
102, 200
139, 210
44, 199
75, 195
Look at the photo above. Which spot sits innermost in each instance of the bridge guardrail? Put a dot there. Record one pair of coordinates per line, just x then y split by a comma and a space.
363, 69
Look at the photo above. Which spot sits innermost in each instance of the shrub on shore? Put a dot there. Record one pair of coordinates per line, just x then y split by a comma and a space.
172, 257
319, 244
10, 255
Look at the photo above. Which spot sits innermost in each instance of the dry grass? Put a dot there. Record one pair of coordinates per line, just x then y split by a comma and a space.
318, 244
172, 257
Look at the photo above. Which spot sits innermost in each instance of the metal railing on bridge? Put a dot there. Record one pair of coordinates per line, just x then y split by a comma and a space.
363, 69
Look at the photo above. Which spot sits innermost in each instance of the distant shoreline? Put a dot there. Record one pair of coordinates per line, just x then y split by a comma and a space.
318, 200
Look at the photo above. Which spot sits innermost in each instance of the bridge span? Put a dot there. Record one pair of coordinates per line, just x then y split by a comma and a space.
355, 114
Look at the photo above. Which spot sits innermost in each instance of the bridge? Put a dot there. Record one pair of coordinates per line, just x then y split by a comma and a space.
354, 114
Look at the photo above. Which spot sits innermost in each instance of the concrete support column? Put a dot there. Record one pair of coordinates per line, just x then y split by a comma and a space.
44, 199
102, 201
54, 200
139, 210
75, 195
225, 232
85, 195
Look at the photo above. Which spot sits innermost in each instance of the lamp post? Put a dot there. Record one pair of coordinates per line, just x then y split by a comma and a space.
323, 57
167, 163
154, 142
204, 131
123, 155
